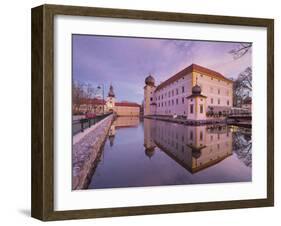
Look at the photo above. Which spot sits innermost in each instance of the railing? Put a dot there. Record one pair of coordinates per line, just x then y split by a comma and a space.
82, 124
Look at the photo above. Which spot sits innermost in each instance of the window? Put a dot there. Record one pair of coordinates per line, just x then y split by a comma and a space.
172, 102
227, 102
212, 100
201, 135
211, 89
177, 91
182, 100
201, 108
219, 101
151, 98
182, 89
191, 109
177, 102
219, 91
172, 92
191, 135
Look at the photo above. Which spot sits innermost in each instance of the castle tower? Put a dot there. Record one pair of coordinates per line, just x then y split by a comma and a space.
149, 144
196, 104
149, 102
110, 100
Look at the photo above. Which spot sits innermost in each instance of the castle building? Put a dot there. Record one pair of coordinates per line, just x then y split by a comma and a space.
100, 106
195, 93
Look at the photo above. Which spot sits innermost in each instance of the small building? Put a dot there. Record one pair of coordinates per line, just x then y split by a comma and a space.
100, 106
195, 93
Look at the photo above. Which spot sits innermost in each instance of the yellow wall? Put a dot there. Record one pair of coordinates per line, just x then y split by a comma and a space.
127, 111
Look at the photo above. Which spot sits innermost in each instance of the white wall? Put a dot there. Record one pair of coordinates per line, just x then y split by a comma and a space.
15, 91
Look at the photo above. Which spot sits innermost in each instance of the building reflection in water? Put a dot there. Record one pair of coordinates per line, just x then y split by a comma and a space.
121, 122
152, 153
193, 147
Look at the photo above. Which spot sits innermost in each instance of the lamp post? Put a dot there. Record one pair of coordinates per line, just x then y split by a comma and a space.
103, 101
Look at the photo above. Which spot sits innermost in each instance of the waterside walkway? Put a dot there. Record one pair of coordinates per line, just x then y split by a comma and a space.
86, 149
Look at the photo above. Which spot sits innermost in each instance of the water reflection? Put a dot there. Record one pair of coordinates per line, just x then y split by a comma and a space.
121, 122
155, 152
193, 147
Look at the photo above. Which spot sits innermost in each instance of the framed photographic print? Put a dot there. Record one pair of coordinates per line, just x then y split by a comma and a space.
141, 112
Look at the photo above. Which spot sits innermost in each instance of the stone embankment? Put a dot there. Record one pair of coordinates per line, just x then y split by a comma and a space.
86, 148
187, 121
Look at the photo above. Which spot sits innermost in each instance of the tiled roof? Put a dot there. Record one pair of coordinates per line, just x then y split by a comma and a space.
96, 101
189, 69
127, 104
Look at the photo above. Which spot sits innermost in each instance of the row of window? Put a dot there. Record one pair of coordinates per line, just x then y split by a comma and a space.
200, 107
170, 102
215, 90
219, 101
164, 132
176, 101
177, 91
200, 137
171, 93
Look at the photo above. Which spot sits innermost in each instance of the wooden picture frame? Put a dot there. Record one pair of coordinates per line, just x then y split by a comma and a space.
43, 111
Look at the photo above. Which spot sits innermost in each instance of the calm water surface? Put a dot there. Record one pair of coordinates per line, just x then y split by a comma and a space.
152, 153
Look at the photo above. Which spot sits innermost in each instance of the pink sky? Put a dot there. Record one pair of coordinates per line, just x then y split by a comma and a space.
125, 62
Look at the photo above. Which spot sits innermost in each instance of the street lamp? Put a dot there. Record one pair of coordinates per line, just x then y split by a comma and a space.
103, 101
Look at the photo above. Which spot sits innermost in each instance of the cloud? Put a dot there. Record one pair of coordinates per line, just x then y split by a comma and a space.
125, 62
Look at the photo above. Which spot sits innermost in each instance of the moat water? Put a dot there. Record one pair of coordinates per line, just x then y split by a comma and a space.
154, 153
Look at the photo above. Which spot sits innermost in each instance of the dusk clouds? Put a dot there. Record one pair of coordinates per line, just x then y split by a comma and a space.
125, 62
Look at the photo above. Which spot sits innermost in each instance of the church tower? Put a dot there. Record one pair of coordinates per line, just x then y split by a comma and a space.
149, 102
110, 100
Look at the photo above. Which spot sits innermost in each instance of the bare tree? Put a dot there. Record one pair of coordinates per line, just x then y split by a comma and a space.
78, 95
241, 50
242, 86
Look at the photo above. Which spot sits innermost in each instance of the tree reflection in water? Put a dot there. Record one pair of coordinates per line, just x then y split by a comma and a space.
242, 145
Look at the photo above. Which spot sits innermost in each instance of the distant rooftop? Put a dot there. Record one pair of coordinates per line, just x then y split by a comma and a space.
96, 101
189, 69
127, 104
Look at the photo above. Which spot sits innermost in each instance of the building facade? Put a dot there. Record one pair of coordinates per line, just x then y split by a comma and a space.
195, 93
99, 106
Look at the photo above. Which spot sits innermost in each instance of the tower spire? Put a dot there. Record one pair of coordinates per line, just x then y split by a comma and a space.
111, 91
